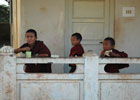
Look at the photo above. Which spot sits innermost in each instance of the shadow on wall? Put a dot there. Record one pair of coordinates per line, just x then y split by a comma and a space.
132, 69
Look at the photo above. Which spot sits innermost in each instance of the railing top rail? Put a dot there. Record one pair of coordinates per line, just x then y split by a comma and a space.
78, 60
119, 60
51, 60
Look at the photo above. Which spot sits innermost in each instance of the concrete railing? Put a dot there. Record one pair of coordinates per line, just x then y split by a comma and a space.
90, 83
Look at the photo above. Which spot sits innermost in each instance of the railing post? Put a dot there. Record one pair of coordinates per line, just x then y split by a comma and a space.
8, 76
91, 76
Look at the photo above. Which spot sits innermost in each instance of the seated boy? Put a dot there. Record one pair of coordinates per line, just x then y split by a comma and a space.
38, 49
110, 52
77, 49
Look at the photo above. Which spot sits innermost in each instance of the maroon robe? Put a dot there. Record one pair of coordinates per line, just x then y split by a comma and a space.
39, 48
114, 68
76, 51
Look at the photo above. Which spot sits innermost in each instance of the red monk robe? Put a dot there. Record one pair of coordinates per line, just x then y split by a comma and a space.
114, 68
76, 51
39, 48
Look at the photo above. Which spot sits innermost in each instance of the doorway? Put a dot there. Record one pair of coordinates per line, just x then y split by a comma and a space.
94, 19
5, 36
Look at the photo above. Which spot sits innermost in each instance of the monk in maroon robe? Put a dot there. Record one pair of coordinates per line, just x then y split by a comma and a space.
114, 68
77, 49
110, 52
38, 49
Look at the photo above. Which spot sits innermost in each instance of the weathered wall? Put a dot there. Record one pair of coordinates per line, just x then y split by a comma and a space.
127, 30
47, 17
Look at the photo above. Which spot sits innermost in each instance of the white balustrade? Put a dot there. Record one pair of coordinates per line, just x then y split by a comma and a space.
89, 82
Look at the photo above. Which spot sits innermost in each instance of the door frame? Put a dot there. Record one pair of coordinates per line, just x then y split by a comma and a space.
16, 23
68, 22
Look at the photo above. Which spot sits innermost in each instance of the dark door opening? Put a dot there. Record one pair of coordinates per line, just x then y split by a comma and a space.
5, 22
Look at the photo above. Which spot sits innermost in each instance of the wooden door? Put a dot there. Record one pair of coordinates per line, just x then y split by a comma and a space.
94, 19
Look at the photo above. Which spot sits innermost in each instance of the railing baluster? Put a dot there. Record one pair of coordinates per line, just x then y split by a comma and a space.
91, 77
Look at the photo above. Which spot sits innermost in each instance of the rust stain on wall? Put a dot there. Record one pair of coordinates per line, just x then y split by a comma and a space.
8, 74
43, 10
125, 77
128, 20
39, 75
9, 90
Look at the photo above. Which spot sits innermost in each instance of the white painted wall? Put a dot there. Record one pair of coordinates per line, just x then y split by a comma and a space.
127, 30
47, 18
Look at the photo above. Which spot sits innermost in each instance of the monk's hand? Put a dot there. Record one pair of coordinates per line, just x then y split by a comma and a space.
102, 53
114, 54
26, 49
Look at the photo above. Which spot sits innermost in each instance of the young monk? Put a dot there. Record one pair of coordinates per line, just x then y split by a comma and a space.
77, 49
110, 52
38, 49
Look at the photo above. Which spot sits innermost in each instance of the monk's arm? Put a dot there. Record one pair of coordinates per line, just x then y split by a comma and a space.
18, 50
114, 54
123, 55
120, 54
43, 55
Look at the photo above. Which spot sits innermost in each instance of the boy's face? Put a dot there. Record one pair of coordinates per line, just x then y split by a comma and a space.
30, 38
107, 45
74, 41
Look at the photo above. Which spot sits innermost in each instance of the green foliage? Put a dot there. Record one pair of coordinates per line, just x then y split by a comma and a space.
4, 14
